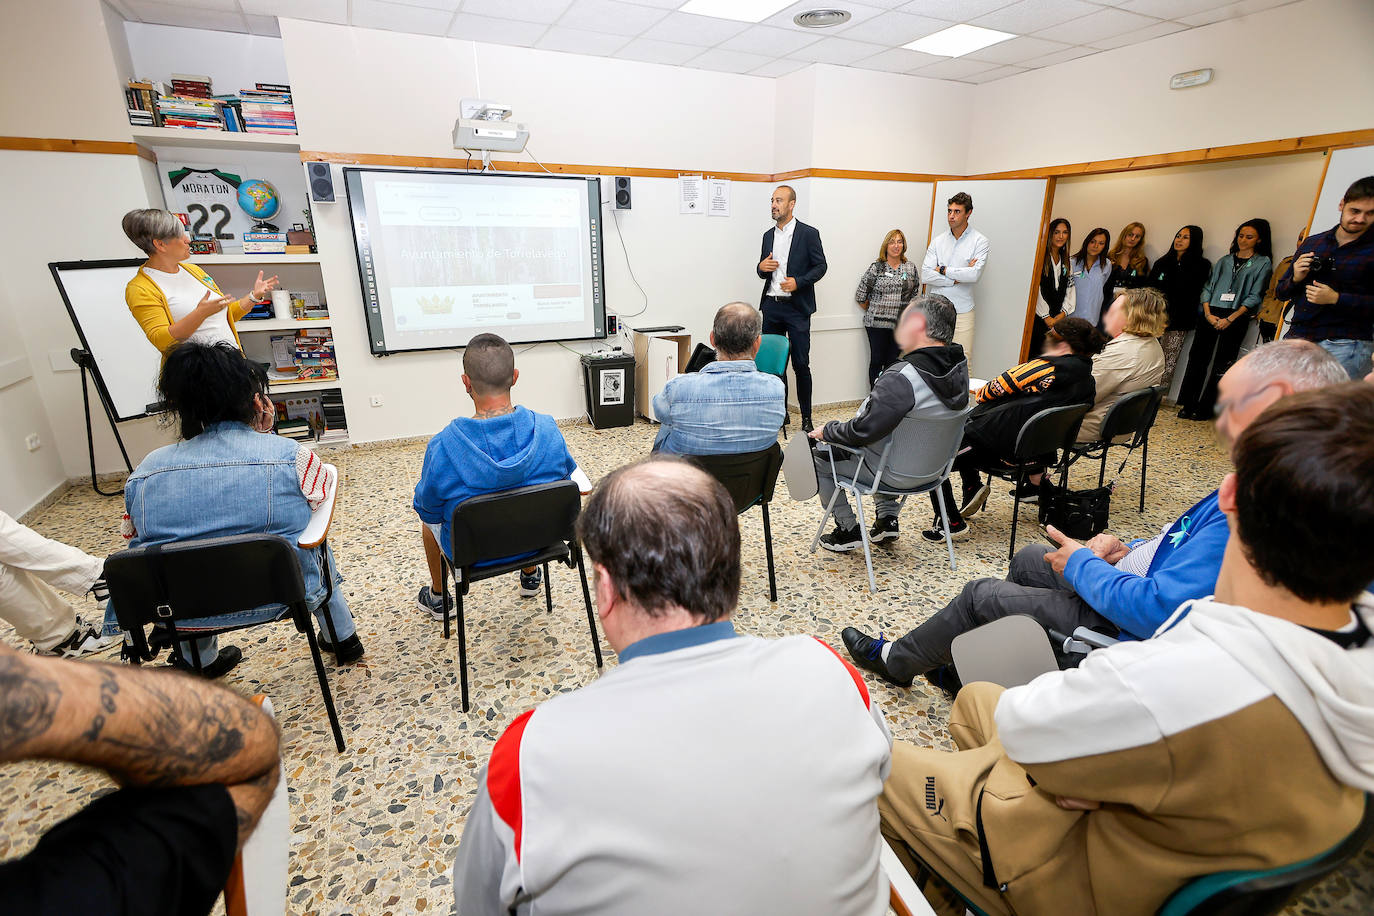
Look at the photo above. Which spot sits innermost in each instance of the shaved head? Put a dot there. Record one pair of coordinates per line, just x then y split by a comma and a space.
489, 364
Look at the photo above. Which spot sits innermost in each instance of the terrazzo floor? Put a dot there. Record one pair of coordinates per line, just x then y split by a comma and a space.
375, 829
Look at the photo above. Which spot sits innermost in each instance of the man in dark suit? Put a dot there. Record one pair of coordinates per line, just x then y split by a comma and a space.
790, 264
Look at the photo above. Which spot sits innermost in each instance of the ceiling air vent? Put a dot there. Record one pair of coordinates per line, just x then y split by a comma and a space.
821, 19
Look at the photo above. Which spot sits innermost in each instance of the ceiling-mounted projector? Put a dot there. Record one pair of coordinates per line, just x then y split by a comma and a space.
484, 125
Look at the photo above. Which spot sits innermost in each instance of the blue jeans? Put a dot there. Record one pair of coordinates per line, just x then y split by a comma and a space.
1354, 355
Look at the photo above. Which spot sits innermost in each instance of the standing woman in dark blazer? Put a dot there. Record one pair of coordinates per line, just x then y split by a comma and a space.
1055, 296
1180, 273
1231, 296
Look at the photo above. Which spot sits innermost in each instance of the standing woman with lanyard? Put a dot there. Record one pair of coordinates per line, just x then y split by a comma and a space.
887, 285
1180, 273
174, 301
1056, 297
1130, 267
1233, 293
1090, 269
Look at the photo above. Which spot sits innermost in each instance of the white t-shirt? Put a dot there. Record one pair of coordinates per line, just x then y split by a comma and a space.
184, 292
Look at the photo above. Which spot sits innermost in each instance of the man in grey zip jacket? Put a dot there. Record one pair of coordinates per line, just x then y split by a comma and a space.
929, 380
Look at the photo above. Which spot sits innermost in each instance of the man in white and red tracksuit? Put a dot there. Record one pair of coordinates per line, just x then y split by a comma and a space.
1241, 736
710, 772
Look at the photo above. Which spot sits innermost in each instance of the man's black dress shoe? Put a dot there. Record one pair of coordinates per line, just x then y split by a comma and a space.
867, 653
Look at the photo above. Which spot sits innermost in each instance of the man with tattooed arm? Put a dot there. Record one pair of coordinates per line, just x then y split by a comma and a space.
196, 765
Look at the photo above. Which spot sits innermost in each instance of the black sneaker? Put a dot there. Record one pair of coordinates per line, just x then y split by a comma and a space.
842, 540
975, 499
867, 653
885, 529
225, 660
348, 652
936, 532
1029, 492
430, 603
945, 678
807, 425
531, 583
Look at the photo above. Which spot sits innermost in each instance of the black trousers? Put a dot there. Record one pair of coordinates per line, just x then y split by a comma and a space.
882, 351
1031, 587
784, 317
1211, 354
1037, 338
1267, 329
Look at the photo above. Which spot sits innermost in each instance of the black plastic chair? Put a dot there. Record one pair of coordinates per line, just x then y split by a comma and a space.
170, 583
534, 523
702, 356
1046, 433
1134, 415
750, 478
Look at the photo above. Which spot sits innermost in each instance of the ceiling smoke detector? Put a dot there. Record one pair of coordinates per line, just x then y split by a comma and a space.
821, 19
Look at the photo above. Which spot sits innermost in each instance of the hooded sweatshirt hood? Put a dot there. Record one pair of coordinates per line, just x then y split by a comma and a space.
945, 370
1327, 688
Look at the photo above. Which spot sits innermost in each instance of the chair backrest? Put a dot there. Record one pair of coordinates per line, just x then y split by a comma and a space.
772, 355
702, 355
1133, 415
203, 578
923, 447
512, 522
750, 477
1010, 651
1049, 430
1266, 892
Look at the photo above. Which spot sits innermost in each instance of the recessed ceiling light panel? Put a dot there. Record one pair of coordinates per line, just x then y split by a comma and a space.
958, 40
821, 19
738, 10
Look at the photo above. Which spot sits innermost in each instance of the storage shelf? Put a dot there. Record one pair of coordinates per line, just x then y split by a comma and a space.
188, 137
303, 385
280, 324
255, 259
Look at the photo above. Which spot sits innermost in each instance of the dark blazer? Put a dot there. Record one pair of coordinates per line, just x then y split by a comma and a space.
805, 264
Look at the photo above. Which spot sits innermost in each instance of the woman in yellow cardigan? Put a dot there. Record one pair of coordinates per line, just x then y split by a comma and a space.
173, 300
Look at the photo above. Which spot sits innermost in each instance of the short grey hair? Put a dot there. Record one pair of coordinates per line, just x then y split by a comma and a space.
736, 327
940, 315
1306, 366
143, 227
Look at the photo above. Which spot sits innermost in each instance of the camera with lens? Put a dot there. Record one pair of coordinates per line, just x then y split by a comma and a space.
1320, 268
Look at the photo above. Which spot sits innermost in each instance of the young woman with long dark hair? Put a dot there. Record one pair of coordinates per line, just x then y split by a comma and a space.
1180, 273
1055, 297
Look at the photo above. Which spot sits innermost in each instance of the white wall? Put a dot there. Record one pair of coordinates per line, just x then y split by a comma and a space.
27, 476
1300, 69
232, 60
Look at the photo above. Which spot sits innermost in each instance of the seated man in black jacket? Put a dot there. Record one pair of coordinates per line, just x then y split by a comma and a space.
1061, 375
929, 380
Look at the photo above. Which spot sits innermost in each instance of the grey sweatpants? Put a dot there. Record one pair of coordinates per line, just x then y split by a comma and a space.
1031, 588
885, 506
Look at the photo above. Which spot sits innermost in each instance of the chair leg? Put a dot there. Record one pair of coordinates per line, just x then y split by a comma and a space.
863, 535
443, 591
462, 647
591, 615
328, 596
944, 520
1015, 514
548, 590
1102, 471
324, 684
820, 530
768, 550
1144, 460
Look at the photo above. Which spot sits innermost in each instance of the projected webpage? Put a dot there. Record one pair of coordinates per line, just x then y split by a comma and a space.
445, 256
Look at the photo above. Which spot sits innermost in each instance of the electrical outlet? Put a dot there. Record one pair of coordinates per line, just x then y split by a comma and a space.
32, 442
375, 400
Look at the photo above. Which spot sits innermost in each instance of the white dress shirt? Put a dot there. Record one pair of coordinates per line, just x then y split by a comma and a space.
954, 255
782, 245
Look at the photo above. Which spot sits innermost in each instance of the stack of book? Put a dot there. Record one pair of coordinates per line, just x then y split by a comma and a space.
336, 426
231, 107
191, 85
298, 429
264, 243
141, 98
267, 109
315, 355
190, 112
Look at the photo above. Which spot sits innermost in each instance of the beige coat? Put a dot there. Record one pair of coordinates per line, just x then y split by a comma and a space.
1129, 363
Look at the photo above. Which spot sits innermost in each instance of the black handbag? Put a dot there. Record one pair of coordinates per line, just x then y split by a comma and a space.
1080, 514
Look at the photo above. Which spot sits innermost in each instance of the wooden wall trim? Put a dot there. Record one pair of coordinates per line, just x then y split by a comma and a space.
556, 168
1045, 219
60, 145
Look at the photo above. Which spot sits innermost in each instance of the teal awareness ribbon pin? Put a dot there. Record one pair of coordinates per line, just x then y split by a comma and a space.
1181, 534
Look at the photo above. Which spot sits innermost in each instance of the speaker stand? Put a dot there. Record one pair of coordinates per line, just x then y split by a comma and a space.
84, 360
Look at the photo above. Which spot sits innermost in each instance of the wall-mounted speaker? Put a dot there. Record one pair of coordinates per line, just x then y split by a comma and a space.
321, 180
622, 192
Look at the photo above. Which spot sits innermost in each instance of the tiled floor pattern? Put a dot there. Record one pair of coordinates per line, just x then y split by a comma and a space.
374, 830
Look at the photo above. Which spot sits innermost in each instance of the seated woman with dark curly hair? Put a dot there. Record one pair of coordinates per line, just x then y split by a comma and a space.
1062, 375
230, 475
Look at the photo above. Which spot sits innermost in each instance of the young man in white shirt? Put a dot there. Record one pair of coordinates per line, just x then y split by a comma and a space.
954, 262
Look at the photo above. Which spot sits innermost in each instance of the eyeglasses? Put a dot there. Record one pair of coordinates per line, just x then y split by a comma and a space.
1223, 406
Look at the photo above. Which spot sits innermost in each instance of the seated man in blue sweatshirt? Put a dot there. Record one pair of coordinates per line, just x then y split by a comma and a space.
500, 447
729, 407
1125, 591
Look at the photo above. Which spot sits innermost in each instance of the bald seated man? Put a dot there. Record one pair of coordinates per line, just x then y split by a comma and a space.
729, 407
710, 771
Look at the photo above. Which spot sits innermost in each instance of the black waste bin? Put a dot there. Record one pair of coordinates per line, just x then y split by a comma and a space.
609, 383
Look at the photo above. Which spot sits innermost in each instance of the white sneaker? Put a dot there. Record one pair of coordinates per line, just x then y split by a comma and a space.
85, 640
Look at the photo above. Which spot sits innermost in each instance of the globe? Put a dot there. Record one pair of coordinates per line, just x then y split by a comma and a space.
259, 199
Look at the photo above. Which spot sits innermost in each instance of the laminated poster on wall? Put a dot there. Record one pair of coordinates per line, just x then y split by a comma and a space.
208, 194
718, 197
691, 194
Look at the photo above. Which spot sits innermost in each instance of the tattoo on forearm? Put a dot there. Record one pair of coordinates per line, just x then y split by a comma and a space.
27, 703
109, 687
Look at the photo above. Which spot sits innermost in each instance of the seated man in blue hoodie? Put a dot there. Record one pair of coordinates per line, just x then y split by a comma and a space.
1124, 591
501, 447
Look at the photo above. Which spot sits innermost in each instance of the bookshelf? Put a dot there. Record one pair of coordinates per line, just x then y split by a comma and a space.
209, 260
302, 385
189, 138
280, 324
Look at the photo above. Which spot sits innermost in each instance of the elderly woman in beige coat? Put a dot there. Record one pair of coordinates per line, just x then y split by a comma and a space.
1133, 359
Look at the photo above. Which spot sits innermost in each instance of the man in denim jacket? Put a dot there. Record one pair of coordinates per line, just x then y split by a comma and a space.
729, 407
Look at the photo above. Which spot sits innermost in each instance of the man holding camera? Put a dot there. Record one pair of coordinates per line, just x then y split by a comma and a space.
1331, 284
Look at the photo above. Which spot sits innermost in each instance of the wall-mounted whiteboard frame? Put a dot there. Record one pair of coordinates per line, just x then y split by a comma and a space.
125, 365
1343, 168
